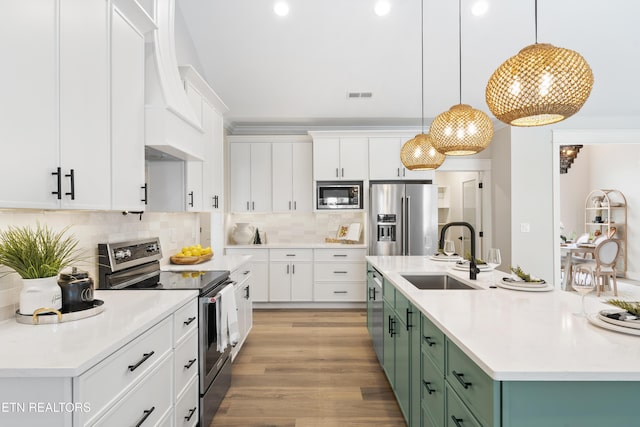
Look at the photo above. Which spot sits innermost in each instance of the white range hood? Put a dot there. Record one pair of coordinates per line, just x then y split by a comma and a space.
171, 123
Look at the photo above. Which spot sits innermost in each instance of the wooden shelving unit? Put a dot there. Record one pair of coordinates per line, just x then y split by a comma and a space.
606, 211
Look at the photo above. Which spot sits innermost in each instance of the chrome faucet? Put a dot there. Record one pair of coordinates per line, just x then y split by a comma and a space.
473, 268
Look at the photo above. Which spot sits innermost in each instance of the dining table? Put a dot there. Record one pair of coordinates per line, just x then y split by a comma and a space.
574, 254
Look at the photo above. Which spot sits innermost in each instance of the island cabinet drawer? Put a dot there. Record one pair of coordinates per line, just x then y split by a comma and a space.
340, 254
433, 342
338, 272
186, 362
458, 415
476, 389
432, 391
291, 254
147, 403
187, 406
185, 321
328, 292
110, 379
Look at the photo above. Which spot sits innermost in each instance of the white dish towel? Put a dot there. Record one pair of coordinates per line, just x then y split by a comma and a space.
227, 318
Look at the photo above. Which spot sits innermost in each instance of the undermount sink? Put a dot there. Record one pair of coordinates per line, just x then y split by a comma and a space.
432, 282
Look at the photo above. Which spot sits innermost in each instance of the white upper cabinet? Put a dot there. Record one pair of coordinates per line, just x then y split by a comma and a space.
128, 188
194, 186
250, 176
340, 158
385, 163
61, 106
292, 178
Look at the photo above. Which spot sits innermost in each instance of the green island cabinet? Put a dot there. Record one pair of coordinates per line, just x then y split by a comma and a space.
437, 385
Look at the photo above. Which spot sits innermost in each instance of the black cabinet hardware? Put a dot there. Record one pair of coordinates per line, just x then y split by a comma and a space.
429, 341
429, 389
460, 378
191, 412
189, 320
191, 362
340, 255
456, 421
58, 193
339, 292
145, 188
72, 180
191, 198
409, 314
145, 356
146, 413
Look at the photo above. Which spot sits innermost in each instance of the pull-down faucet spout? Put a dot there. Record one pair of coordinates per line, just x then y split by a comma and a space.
473, 268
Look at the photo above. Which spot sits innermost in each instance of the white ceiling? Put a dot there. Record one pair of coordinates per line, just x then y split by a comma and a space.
298, 69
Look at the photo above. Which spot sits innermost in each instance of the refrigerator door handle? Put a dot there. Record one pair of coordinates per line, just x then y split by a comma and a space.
402, 227
408, 226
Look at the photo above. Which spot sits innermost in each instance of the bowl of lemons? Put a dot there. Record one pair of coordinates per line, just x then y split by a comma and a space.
194, 254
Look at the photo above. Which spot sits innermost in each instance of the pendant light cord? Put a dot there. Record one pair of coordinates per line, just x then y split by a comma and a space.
460, 50
536, 20
422, 61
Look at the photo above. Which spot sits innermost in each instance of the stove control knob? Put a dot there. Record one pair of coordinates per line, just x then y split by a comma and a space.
152, 248
119, 254
127, 253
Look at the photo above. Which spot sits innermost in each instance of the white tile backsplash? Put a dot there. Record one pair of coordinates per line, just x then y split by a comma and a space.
174, 229
310, 227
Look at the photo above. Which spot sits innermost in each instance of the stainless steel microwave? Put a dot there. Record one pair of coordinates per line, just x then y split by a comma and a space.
339, 195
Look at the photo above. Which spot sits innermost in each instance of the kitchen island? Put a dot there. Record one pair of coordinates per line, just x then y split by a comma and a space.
95, 369
544, 366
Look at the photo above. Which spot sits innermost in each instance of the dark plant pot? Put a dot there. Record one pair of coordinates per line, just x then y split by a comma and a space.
77, 291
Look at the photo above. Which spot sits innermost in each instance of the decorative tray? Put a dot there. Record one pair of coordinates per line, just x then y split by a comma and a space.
443, 257
620, 318
596, 320
47, 316
185, 260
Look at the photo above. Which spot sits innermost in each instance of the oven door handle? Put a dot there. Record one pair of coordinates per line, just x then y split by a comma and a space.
135, 280
213, 299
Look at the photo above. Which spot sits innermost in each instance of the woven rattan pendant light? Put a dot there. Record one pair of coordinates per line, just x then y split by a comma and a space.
462, 130
418, 153
542, 84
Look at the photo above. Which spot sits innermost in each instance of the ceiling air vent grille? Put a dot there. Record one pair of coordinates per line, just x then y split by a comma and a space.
359, 95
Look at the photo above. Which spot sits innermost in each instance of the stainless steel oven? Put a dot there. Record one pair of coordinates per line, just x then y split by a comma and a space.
135, 265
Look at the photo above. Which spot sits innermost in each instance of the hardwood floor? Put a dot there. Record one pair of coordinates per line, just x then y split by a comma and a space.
308, 368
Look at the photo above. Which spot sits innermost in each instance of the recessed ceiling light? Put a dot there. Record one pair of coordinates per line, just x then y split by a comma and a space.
281, 8
480, 7
382, 7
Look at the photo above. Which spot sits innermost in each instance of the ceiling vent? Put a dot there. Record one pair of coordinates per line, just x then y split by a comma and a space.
359, 95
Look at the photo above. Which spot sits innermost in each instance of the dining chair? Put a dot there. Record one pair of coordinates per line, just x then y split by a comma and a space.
604, 264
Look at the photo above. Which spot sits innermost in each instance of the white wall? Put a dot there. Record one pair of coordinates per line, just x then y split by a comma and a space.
532, 189
185, 49
501, 194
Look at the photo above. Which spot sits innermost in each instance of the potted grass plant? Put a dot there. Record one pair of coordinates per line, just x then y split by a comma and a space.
38, 255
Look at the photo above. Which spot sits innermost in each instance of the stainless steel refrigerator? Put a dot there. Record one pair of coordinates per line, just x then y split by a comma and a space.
403, 218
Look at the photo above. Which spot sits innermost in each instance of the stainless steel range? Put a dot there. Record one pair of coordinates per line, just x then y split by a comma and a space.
136, 265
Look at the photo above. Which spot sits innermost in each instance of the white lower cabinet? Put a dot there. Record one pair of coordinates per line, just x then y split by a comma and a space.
259, 266
339, 275
291, 275
243, 278
186, 410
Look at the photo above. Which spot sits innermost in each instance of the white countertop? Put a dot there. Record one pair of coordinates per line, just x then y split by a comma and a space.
218, 262
517, 335
299, 246
69, 349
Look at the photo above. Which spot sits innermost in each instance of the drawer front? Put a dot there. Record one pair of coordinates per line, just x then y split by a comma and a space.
241, 275
329, 292
185, 321
458, 415
340, 254
432, 390
257, 254
150, 400
340, 272
291, 254
476, 389
187, 406
106, 382
186, 362
433, 342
